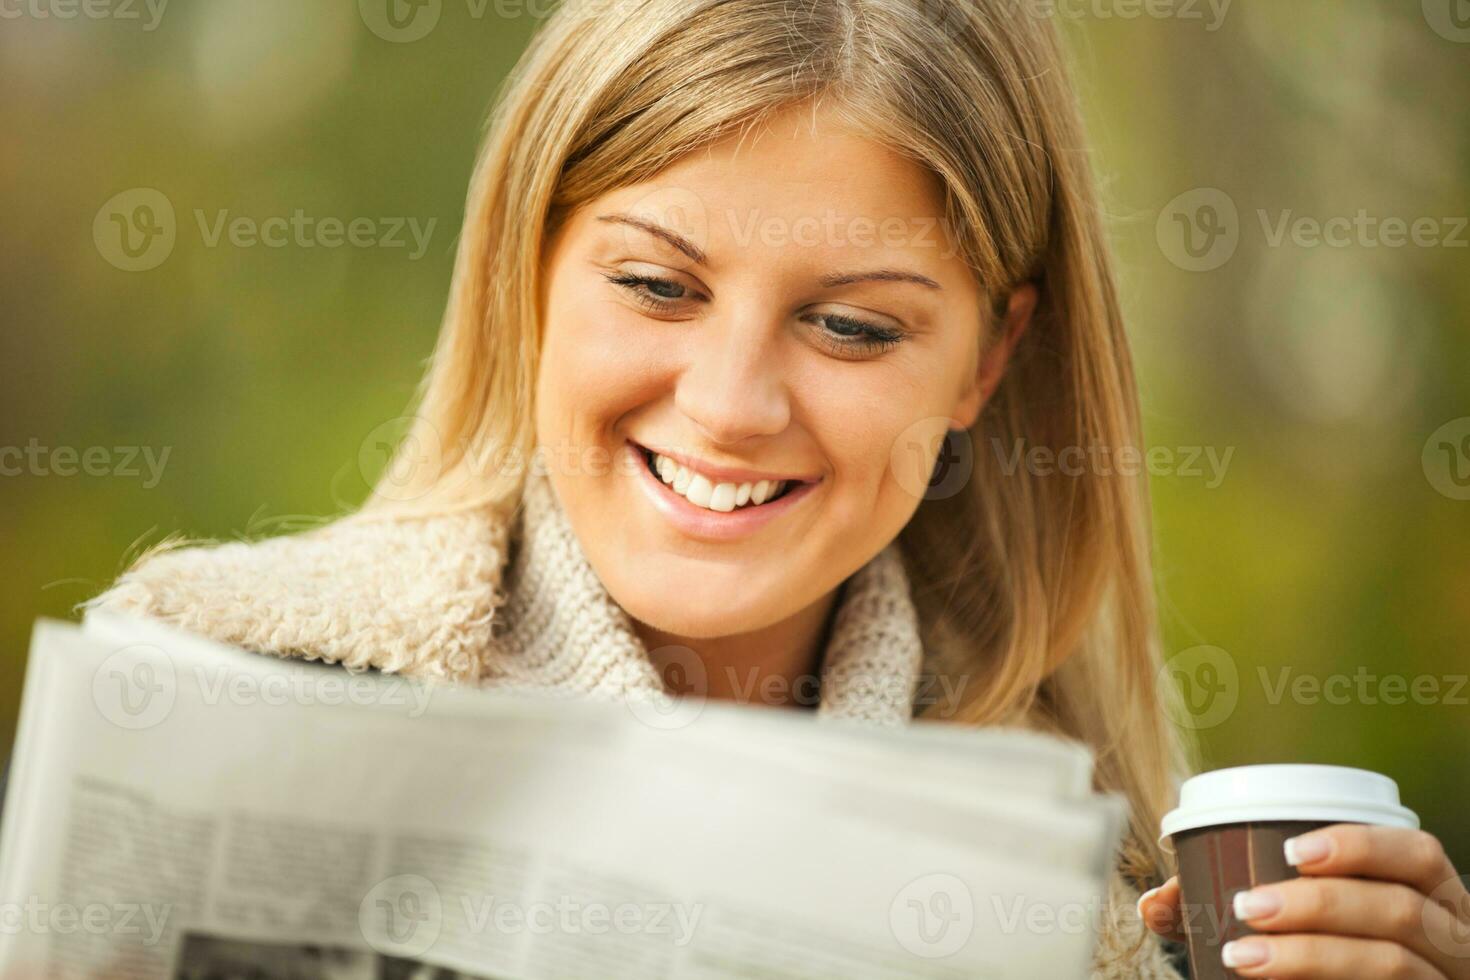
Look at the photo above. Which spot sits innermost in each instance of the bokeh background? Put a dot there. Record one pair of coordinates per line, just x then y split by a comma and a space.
1309, 393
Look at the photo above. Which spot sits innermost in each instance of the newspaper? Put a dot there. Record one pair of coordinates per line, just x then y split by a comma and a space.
180, 808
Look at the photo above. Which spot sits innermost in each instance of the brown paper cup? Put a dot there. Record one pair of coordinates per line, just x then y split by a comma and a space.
1229, 834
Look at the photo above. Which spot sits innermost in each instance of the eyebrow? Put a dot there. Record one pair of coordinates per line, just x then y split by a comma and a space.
694, 252
879, 275
659, 231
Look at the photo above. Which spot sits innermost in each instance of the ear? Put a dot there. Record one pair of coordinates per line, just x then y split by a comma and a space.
992, 362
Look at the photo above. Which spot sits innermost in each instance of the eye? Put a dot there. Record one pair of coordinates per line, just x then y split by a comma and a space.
841, 336
846, 336
651, 292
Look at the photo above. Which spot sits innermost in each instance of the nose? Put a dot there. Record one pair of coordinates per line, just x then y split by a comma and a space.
734, 387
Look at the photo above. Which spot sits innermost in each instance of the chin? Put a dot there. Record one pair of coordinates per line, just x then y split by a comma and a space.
696, 614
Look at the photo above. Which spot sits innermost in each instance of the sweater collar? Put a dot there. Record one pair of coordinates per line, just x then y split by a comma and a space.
564, 631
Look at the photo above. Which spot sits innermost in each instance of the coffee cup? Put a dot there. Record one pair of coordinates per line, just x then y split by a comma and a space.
1229, 831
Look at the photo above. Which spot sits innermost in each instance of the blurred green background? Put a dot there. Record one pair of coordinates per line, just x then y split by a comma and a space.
1332, 543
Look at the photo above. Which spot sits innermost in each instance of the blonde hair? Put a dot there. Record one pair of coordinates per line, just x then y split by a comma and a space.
1034, 590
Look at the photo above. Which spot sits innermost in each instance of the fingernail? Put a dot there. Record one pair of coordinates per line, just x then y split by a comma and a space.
1258, 903
1144, 898
1243, 952
1307, 848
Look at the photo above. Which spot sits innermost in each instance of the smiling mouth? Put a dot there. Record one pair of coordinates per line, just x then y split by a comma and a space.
705, 493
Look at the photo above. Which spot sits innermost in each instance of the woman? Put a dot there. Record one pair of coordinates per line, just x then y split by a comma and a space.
758, 311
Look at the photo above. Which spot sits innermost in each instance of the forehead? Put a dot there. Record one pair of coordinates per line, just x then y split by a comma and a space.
802, 160
801, 178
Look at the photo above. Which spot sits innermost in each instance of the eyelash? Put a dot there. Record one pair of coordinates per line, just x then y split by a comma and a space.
872, 339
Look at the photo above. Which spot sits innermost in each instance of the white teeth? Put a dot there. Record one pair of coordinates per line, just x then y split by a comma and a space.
723, 497
699, 490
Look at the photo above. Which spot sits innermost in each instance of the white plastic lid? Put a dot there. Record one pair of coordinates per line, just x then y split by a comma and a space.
1334, 794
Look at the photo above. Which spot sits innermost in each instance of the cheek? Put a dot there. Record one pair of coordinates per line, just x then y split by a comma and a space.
598, 363
879, 430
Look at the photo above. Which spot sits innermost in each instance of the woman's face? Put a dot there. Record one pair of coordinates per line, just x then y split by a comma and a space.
787, 306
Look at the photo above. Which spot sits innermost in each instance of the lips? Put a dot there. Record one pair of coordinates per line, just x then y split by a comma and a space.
705, 524
703, 490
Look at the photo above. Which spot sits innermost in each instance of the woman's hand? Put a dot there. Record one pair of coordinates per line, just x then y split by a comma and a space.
1372, 902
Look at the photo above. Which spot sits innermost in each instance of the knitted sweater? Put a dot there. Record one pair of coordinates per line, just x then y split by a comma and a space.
469, 598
